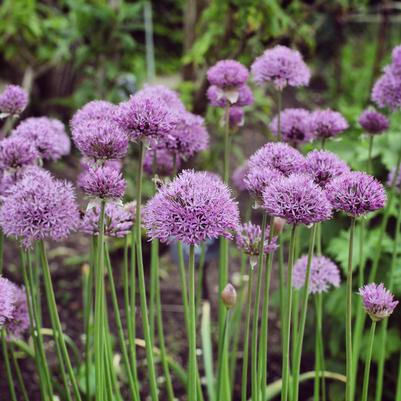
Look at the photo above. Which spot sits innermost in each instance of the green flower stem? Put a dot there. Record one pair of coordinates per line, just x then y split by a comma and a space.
154, 261
7, 366
56, 324
368, 360
255, 322
245, 358
17, 369
141, 280
323, 144
287, 321
318, 369
319, 349
201, 271
281, 281
226, 166
371, 137
279, 107
398, 388
223, 394
348, 323
295, 322
133, 385
304, 309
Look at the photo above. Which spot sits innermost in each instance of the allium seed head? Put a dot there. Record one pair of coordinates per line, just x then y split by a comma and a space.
249, 236
373, 122
325, 124
13, 100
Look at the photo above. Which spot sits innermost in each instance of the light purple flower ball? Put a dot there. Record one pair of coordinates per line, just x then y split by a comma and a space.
323, 274
118, 220
297, 199
395, 66
13, 100
98, 110
386, 91
48, 136
325, 124
217, 97
258, 179
39, 207
169, 96
103, 182
324, 166
373, 122
294, 126
282, 66
249, 236
236, 117
238, 177
227, 74
377, 301
192, 208
163, 161
16, 152
19, 323
8, 297
356, 193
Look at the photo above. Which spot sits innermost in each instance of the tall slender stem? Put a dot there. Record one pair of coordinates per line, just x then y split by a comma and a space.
7, 365
17, 369
279, 107
287, 322
223, 394
154, 262
371, 137
367, 364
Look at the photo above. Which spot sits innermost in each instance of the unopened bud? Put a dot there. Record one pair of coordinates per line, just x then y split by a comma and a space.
229, 296
278, 225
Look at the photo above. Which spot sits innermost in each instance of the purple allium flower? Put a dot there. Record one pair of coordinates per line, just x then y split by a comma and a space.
98, 110
192, 208
248, 239
325, 124
19, 323
39, 207
217, 97
323, 274
16, 152
282, 66
163, 161
378, 302
373, 122
118, 220
258, 179
48, 136
103, 182
236, 117
386, 91
238, 177
294, 126
13, 100
279, 156
297, 199
227, 74
395, 66
169, 96
8, 297
324, 166
100, 139
356, 193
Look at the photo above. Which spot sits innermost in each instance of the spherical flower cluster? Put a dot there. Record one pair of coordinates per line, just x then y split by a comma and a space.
100, 139
48, 136
98, 110
373, 122
294, 126
395, 65
39, 207
281, 66
103, 182
325, 124
191, 209
218, 99
297, 199
356, 193
13, 100
169, 96
236, 117
258, 179
248, 239
16, 152
144, 116
386, 91
118, 220
377, 301
324, 166
323, 274
160, 161
238, 177
227, 74
7, 300
19, 323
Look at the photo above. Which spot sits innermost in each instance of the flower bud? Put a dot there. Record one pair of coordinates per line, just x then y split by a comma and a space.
278, 225
229, 296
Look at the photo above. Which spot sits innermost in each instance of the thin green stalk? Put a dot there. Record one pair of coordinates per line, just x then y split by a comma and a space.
154, 261
304, 309
7, 365
255, 323
226, 166
295, 323
319, 349
223, 394
287, 321
398, 388
201, 270
244, 381
17, 369
368, 360
371, 137
141, 280
323, 144
348, 324
279, 107
281, 281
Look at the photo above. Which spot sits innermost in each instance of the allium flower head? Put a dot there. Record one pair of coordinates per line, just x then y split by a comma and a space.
20, 320
324, 166
395, 66
229, 296
238, 177
100, 139
236, 117
103, 182
258, 179
227, 74
377, 301
13, 100
169, 96
373, 122
279, 156
282, 66
16, 152
297, 199
323, 274
356, 193
192, 208
118, 220
48, 136
160, 161
8, 297
326, 124
39, 207
144, 116
294, 126
218, 99
98, 110
386, 91
249, 236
